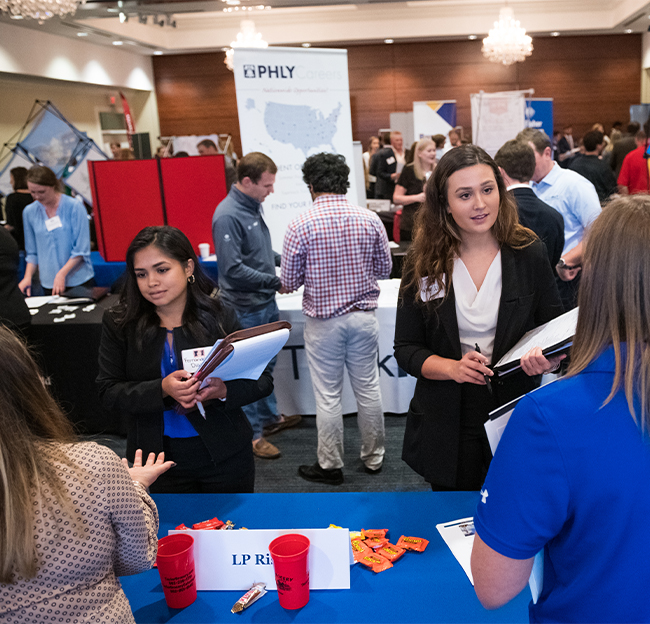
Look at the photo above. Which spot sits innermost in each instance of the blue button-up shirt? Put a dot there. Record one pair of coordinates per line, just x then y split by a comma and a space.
574, 197
51, 250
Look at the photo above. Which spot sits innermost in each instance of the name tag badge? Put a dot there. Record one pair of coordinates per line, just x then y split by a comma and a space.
53, 223
390, 161
193, 358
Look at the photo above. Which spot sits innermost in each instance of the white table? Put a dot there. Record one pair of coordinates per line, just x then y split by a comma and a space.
291, 376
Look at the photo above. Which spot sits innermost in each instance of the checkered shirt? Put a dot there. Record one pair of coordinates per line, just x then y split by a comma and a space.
338, 251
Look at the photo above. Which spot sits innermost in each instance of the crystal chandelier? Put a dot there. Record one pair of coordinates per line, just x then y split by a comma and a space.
248, 37
39, 9
507, 42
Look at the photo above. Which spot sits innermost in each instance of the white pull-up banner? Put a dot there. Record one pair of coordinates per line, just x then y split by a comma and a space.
293, 103
497, 118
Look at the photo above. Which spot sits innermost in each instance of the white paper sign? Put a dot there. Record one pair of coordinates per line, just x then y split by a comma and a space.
234, 560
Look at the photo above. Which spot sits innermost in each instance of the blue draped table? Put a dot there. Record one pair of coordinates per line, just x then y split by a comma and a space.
421, 587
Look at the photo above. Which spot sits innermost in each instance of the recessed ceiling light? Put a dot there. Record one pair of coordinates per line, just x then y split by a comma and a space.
157, 52
118, 42
555, 33
306, 45
82, 34
112, 10
17, 17
472, 37
389, 40
628, 30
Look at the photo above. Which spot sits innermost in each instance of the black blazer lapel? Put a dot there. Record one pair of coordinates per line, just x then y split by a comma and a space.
447, 316
509, 296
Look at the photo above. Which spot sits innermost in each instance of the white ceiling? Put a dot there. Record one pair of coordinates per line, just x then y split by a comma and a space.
202, 25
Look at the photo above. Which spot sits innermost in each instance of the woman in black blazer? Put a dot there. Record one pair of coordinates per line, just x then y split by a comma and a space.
473, 276
167, 305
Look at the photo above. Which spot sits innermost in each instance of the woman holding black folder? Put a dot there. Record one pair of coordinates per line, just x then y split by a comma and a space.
475, 282
168, 305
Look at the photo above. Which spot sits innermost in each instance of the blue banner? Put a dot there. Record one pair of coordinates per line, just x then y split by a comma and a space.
539, 115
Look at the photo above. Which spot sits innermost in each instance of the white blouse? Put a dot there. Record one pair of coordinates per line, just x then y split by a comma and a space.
477, 310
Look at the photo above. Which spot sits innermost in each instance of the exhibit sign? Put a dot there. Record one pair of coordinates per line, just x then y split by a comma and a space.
293, 103
539, 114
434, 117
497, 118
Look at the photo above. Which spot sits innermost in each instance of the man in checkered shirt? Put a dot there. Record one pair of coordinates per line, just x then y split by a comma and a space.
338, 252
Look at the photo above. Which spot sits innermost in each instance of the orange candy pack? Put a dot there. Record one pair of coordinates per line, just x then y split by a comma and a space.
417, 544
374, 532
391, 552
359, 546
375, 562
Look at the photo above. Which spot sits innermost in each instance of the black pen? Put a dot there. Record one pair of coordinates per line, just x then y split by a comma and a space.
488, 382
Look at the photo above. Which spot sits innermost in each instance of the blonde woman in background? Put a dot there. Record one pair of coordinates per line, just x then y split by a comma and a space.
373, 148
409, 190
74, 517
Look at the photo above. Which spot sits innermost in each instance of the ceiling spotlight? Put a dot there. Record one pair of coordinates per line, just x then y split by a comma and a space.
555, 33
82, 34
118, 43
472, 37
123, 18
389, 40
628, 30
306, 45
157, 52
17, 17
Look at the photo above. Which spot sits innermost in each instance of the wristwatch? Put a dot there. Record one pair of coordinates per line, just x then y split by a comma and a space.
562, 264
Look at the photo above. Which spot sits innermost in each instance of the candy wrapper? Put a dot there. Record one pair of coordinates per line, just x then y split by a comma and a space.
208, 525
376, 542
253, 594
375, 562
357, 535
182, 527
417, 544
391, 552
374, 532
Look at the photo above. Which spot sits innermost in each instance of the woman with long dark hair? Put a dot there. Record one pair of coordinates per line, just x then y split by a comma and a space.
74, 517
168, 305
571, 474
475, 281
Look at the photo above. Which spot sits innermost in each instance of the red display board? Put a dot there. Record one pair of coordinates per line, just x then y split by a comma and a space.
126, 198
192, 189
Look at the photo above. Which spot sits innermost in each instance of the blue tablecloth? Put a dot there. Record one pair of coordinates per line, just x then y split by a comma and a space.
426, 587
106, 273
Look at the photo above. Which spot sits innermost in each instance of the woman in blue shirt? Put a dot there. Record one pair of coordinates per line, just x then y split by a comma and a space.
168, 305
57, 236
571, 475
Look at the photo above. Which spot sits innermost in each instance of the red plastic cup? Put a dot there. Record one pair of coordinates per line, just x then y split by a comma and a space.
175, 563
290, 561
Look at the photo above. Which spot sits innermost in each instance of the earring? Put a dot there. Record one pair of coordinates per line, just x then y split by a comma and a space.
191, 279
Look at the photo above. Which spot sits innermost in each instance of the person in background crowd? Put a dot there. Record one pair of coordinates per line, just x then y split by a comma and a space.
207, 147
409, 190
15, 204
575, 198
167, 306
598, 127
475, 282
516, 162
615, 134
13, 308
373, 148
634, 177
335, 238
387, 165
565, 147
454, 138
74, 517
57, 236
623, 147
589, 165
578, 444
409, 155
439, 140
181, 155
247, 276
116, 150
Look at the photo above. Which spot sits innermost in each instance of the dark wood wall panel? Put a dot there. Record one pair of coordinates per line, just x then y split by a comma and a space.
590, 78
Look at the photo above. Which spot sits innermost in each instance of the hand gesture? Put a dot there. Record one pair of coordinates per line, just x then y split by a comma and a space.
471, 368
146, 474
567, 274
535, 363
182, 387
58, 285
25, 287
214, 389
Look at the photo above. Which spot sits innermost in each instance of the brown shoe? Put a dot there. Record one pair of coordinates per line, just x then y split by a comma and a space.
286, 423
264, 449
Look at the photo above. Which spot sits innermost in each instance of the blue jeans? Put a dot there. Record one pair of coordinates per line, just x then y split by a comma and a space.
265, 411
